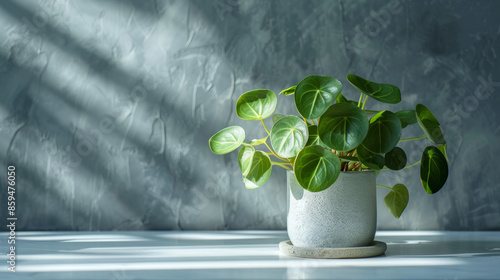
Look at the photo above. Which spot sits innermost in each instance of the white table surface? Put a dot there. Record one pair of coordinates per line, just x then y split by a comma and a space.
244, 255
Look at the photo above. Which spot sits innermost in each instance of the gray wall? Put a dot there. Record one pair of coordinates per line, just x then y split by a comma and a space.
107, 106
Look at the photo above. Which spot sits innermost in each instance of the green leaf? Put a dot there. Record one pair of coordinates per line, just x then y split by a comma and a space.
384, 132
444, 150
316, 168
397, 200
369, 159
342, 99
407, 117
259, 172
288, 91
227, 140
314, 137
277, 117
343, 126
256, 142
382, 92
314, 94
429, 124
433, 169
256, 104
395, 159
245, 157
288, 136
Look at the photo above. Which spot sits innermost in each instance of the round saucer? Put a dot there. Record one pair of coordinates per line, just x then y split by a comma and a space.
377, 248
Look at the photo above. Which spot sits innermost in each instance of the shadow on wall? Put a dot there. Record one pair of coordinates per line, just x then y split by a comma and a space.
94, 155
109, 105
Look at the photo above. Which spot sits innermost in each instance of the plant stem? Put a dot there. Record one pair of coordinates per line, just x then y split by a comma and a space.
372, 111
280, 163
358, 166
354, 153
408, 166
284, 161
412, 164
265, 127
364, 102
351, 165
284, 165
382, 186
360, 99
313, 122
276, 155
414, 138
348, 158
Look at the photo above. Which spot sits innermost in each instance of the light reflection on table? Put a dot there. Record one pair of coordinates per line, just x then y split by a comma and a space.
245, 255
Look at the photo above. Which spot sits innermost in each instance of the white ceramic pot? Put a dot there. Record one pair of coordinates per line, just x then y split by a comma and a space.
344, 215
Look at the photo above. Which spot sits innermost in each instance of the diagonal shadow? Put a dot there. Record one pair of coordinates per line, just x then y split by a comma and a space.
90, 163
64, 40
98, 63
147, 8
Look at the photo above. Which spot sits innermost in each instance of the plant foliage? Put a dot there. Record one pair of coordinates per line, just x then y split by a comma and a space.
334, 134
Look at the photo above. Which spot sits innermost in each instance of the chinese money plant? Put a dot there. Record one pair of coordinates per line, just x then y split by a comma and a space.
334, 134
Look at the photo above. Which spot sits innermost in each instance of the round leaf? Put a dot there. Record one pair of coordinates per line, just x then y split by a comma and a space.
259, 171
314, 94
277, 117
369, 159
227, 140
407, 117
395, 159
429, 124
384, 133
316, 168
343, 126
397, 200
256, 104
289, 136
433, 169
382, 92
245, 157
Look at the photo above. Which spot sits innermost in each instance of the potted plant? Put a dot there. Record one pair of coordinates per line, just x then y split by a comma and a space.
333, 153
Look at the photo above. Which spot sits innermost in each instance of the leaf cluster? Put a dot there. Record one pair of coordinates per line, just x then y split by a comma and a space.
334, 134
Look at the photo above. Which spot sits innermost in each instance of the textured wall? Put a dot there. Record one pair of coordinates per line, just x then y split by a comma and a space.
107, 106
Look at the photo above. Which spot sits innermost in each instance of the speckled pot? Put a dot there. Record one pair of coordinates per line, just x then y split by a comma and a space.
344, 215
